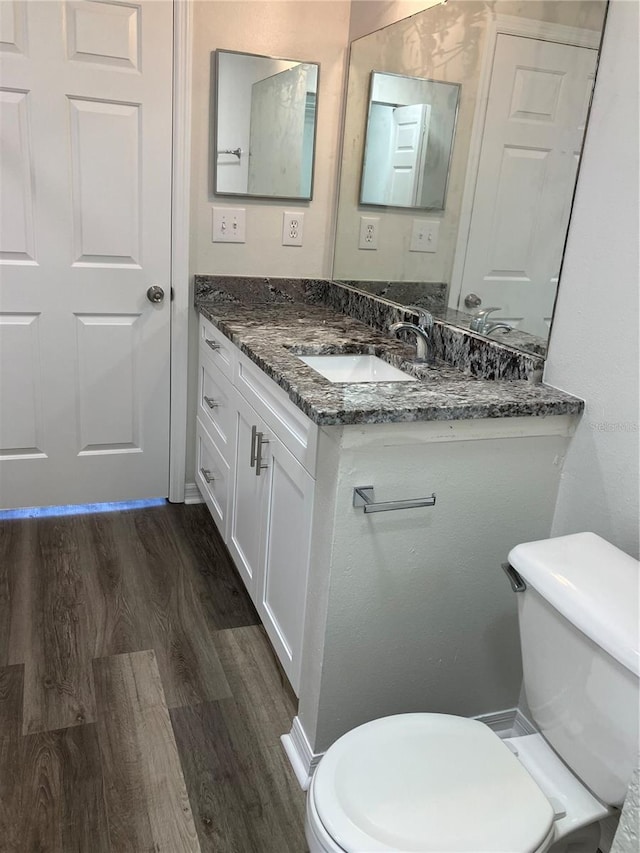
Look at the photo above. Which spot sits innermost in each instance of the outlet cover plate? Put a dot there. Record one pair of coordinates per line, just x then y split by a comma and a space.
228, 225
369, 228
424, 235
292, 228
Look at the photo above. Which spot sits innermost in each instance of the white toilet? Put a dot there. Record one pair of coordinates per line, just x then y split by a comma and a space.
446, 784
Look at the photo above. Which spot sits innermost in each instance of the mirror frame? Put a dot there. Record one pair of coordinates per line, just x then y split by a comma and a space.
214, 124
372, 204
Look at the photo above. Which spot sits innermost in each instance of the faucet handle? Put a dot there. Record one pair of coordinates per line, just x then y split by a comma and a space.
425, 318
484, 312
479, 320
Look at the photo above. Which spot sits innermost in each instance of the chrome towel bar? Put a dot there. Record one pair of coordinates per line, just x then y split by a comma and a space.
363, 497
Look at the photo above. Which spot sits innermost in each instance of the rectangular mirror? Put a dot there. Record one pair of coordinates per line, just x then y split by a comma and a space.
265, 126
408, 143
524, 72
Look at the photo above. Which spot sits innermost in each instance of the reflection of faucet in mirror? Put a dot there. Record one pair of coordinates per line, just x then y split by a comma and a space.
480, 322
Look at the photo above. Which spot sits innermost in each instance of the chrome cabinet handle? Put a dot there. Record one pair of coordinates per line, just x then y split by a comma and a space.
210, 402
212, 344
254, 432
206, 473
259, 442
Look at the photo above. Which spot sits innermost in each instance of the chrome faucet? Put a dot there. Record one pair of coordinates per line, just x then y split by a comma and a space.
425, 318
423, 342
480, 322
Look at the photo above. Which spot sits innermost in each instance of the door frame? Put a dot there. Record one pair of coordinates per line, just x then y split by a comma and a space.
180, 205
500, 25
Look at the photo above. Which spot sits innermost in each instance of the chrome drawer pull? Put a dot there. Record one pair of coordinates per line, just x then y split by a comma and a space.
206, 473
252, 460
211, 402
212, 344
363, 498
259, 442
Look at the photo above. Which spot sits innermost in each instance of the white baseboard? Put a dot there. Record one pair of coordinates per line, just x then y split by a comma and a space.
509, 723
303, 760
192, 494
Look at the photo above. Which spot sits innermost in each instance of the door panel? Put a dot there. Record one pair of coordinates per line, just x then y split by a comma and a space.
104, 33
106, 167
21, 428
108, 394
17, 237
85, 231
283, 585
249, 499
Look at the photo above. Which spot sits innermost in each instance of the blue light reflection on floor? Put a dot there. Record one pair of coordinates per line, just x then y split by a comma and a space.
77, 509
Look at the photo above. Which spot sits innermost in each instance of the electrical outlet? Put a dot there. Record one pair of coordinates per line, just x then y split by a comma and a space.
424, 235
369, 226
292, 226
228, 225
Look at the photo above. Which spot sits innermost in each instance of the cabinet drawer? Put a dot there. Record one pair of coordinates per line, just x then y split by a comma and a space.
216, 397
214, 345
296, 431
213, 478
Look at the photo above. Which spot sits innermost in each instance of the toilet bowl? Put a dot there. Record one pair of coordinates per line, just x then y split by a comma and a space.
434, 782
439, 783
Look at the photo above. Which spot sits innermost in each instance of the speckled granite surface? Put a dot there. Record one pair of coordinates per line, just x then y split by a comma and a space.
274, 320
431, 295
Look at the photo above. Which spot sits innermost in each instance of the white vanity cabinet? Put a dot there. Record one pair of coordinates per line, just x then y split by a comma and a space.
373, 613
255, 469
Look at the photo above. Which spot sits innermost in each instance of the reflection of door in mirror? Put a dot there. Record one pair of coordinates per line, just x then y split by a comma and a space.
534, 124
394, 167
280, 111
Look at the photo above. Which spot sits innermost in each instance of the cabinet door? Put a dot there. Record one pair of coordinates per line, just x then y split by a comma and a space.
282, 583
249, 501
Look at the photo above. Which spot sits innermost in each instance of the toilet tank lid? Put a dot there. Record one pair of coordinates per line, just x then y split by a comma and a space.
591, 583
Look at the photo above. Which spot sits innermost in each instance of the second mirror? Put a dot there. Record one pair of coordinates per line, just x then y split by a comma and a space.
265, 126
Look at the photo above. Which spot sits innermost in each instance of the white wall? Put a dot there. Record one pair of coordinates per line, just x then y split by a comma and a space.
593, 350
310, 30
370, 15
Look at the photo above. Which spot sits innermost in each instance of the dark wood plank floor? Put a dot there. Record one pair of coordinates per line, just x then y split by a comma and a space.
140, 702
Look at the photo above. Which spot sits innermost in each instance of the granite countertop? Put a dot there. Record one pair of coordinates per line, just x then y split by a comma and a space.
272, 335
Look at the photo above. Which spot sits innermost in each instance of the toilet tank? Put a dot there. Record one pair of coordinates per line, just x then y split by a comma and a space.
580, 655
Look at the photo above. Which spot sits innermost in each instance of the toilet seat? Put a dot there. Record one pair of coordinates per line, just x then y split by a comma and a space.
428, 782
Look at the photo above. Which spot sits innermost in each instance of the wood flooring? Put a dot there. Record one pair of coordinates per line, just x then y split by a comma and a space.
141, 706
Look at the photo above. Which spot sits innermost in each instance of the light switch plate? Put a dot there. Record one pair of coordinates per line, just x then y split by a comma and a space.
369, 227
228, 225
292, 227
424, 235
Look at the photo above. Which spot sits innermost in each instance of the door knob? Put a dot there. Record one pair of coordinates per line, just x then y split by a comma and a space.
472, 300
155, 294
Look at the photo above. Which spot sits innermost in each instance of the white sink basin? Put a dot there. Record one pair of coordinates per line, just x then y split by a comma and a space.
355, 368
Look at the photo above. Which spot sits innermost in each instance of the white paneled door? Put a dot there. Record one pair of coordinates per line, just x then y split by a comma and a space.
85, 231
534, 125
